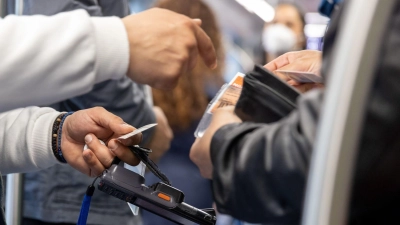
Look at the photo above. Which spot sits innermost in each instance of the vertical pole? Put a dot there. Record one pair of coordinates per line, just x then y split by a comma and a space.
19, 7
14, 199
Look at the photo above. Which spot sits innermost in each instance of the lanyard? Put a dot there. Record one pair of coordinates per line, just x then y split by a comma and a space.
142, 154
83, 215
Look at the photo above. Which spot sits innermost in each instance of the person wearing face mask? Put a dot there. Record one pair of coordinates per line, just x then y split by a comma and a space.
285, 33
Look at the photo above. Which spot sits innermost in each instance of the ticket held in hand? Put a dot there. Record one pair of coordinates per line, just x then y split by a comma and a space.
139, 169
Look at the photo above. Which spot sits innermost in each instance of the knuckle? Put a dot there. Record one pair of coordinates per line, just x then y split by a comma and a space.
117, 118
99, 108
191, 43
192, 156
174, 72
186, 22
182, 58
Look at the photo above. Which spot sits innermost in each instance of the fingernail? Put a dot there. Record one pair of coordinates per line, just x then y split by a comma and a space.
112, 146
88, 138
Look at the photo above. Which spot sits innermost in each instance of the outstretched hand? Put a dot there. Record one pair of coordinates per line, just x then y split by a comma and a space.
164, 45
301, 61
200, 151
89, 127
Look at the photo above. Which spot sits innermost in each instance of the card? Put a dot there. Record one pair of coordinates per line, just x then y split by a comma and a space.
229, 94
301, 77
139, 130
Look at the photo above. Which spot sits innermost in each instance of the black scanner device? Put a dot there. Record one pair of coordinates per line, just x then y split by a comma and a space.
160, 198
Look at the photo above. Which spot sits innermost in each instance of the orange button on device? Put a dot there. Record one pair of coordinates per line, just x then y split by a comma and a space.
164, 196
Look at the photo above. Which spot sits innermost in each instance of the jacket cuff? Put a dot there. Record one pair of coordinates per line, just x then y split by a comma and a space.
112, 48
42, 153
227, 135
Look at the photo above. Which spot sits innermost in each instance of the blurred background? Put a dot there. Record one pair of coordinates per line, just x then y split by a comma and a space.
242, 23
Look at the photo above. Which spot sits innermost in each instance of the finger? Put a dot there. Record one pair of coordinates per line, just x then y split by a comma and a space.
281, 76
193, 154
193, 59
230, 109
123, 152
277, 63
304, 87
197, 21
206, 48
110, 121
95, 166
134, 140
293, 83
103, 154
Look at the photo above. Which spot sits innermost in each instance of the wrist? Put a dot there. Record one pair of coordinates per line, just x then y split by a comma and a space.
57, 136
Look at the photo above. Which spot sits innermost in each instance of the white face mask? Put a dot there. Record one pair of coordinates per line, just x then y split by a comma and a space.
278, 39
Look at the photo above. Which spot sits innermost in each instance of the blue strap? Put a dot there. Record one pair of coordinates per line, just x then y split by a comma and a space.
327, 7
86, 206
237, 222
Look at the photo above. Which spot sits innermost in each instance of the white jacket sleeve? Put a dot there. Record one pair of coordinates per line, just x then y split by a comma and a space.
47, 59
25, 143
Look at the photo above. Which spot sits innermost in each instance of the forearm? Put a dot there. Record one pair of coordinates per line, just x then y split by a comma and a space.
260, 169
49, 59
26, 139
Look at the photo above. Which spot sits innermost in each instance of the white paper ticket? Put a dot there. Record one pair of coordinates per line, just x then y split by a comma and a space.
139, 130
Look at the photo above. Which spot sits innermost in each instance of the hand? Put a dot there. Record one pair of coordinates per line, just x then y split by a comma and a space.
87, 127
164, 45
302, 61
161, 140
200, 151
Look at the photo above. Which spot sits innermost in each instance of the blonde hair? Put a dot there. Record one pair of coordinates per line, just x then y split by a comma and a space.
187, 102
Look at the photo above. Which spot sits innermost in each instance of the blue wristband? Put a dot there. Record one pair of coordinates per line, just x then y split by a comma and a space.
59, 150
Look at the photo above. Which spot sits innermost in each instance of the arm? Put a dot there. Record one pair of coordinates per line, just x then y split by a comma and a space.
259, 170
48, 59
26, 142
26, 139
41, 66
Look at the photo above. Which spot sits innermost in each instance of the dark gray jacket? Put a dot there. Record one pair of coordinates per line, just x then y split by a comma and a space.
260, 170
55, 195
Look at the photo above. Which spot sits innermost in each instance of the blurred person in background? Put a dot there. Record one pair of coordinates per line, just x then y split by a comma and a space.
184, 107
285, 33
